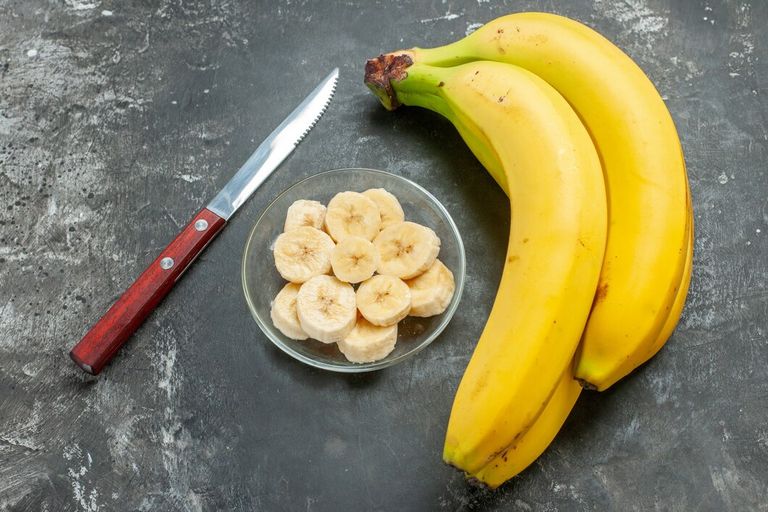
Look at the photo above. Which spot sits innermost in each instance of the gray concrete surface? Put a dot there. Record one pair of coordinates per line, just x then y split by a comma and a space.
119, 119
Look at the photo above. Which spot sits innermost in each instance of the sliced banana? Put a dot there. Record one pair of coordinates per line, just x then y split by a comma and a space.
305, 213
389, 207
354, 259
367, 343
406, 249
326, 308
352, 214
303, 253
284, 315
384, 300
431, 292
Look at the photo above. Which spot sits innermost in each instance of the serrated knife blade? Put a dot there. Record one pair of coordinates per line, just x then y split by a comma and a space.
278, 145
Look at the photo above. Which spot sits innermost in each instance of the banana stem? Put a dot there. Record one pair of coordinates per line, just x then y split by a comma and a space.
396, 80
392, 74
382, 71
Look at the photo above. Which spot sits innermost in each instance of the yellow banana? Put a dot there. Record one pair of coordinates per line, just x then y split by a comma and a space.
643, 166
556, 242
520, 454
482, 149
682, 294
533, 443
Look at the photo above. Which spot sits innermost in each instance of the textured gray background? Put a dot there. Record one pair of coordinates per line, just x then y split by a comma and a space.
119, 119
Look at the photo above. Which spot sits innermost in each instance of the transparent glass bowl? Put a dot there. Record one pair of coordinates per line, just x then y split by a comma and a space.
261, 281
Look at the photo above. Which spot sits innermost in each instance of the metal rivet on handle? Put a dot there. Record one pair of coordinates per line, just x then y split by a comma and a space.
166, 263
201, 225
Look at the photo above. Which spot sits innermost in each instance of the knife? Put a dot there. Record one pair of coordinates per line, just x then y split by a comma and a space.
106, 337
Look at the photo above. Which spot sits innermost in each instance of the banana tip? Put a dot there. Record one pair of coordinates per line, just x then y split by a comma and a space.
478, 484
587, 385
475, 481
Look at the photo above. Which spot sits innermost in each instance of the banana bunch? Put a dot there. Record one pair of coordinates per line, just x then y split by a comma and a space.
601, 235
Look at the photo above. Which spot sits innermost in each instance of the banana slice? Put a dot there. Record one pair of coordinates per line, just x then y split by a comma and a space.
406, 249
284, 315
384, 300
326, 308
431, 292
305, 213
303, 253
389, 207
368, 343
354, 259
352, 214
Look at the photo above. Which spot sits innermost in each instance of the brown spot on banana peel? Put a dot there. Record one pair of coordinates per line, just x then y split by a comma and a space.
587, 385
601, 293
381, 71
502, 452
538, 39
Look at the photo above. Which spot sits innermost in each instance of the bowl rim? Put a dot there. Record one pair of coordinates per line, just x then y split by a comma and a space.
383, 363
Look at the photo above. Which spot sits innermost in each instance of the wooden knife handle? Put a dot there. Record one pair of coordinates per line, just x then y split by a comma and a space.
104, 339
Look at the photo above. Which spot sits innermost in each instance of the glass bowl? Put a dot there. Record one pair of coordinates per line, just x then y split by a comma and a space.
261, 281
